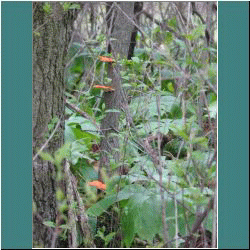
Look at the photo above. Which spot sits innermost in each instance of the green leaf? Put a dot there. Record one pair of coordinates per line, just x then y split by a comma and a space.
209, 222
74, 6
149, 223
64, 226
135, 59
195, 194
128, 227
112, 111
59, 194
129, 191
184, 219
147, 105
61, 154
141, 216
102, 206
66, 6
177, 169
153, 128
213, 109
46, 156
47, 8
88, 173
77, 151
172, 22
37, 34
84, 123
92, 221
63, 206
212, 73
197, 32
171, 87
109, 237
180, 131
168, 37
203, 141
49, 224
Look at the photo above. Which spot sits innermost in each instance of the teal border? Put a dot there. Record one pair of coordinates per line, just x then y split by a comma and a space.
233, 73
16, 92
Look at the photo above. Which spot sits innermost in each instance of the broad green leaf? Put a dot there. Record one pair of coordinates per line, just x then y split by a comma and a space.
128, 227
147, 105
88, 173
102, 206
153, 128
85, 124
149, 223
142, 216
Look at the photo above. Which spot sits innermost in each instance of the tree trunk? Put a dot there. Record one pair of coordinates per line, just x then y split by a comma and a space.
51, 35
121, 21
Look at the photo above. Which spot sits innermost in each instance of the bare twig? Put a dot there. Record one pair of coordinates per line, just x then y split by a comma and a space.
195, 11
36, 30
200, 219
46, 143
83, 46
82, 113
162, 25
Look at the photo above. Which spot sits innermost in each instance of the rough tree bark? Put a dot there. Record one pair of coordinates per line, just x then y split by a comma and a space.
51, 36
121, 27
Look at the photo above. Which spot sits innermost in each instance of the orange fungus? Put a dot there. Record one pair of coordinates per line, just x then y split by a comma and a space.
97, 184
105, 88
106, 59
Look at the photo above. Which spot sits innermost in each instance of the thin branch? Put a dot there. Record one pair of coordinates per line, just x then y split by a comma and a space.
162, 25
195, 11
46, 143
200, 219
85, 44
82, 113
36, 30
85, 115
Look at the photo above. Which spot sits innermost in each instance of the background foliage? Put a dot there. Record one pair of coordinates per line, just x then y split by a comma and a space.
171, 84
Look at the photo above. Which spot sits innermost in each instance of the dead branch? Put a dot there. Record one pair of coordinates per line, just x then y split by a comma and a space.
82, 113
